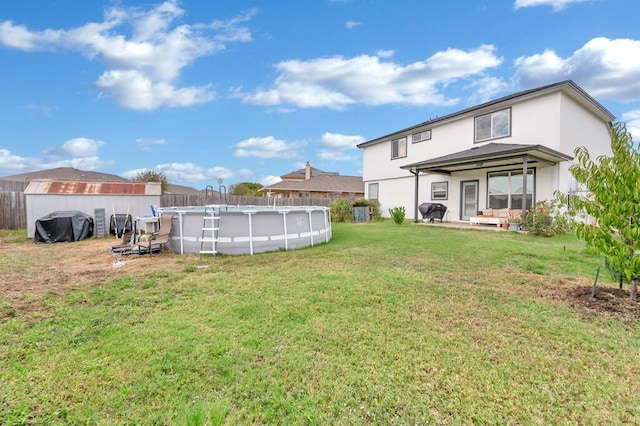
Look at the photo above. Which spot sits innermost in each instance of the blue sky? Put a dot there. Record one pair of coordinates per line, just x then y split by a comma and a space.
250, 90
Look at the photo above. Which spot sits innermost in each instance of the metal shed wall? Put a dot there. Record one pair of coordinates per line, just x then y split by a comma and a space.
40, 203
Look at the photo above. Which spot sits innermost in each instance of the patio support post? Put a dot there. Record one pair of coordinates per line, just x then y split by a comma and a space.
524, 185
415, 203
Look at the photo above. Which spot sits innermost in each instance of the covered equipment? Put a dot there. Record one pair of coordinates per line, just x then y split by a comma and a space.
431, 211
63, 226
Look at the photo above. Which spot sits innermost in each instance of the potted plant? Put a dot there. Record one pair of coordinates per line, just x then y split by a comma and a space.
514, 223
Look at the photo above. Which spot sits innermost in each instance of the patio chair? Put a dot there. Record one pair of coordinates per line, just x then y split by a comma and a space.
156, 240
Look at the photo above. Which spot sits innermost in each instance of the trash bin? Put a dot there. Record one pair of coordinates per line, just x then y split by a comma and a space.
360, 214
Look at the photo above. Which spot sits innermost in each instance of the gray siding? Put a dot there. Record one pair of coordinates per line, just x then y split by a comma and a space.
39, 205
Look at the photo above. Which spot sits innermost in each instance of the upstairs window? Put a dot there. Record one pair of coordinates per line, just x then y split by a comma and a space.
422, 136
493, 126
399, 148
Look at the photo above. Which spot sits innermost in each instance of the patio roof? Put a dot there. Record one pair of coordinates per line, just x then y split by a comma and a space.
489, 155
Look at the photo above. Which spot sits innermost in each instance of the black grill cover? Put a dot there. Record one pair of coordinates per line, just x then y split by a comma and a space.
63, 226
432, 210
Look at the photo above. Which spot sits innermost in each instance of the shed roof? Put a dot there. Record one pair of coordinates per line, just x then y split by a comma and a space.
48, 186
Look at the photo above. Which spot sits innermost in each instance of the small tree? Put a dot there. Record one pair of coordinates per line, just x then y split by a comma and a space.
153, 176
246, 188
613, 201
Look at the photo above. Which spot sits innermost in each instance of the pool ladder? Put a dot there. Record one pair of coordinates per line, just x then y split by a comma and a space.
210, 228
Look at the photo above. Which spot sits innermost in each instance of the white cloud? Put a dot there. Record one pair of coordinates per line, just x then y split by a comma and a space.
336, 145
341, 142
299, 94
270, 180
337, 82
19, 37
144, 67
146, 144
603, 67
187, 172
352, 24
15, 164
82, 147
190, 172
557, 5
632, 119
486, 88
82, 163
182, 172
385, 53
231, 31
83, 150
133, 90
220, 172
335, 156
267, 147
45, 110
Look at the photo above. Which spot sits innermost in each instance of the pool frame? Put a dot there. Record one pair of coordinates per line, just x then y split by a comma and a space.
246, 229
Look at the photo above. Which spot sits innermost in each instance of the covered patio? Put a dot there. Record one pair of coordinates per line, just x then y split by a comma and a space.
491, 155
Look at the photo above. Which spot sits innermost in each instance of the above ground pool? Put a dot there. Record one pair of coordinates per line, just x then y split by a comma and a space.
246, 229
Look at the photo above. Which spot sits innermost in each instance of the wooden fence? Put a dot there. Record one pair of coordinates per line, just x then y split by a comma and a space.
169, 200
11, 185
13, 206
13, 210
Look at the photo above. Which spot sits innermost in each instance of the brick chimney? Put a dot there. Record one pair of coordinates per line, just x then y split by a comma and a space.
307, 171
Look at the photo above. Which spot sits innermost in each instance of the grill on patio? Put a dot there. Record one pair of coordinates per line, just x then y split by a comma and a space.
431, 211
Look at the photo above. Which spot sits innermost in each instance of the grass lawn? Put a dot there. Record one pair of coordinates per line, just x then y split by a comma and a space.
385, 324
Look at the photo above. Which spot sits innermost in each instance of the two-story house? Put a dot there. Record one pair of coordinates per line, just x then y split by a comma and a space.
494, 155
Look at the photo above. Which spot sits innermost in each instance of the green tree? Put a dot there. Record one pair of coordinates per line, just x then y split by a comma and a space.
251, 189
153, 176
613, 201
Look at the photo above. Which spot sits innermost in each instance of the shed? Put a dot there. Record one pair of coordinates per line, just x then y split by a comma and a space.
44, 196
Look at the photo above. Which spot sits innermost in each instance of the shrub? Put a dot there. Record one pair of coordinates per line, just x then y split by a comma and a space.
341, 210
374, 208
545, 219
397, 214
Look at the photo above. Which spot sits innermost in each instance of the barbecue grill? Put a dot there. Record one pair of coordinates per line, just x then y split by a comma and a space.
431, 211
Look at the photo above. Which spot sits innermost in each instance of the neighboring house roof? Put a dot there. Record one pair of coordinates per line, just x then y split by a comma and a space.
180, 189
568, 87
493, 154
72, 174
66, 173
300, 174
322, 183
47, 186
